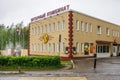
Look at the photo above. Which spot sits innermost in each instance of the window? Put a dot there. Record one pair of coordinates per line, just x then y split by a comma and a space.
77, 47
99, 29
32, 31
53, 27
86, 27
35, 31
44, 48
107, 31
32, 47
82, 26
45, 28
38, 29
49, 27
38, 47
117, 34
41, 47
53, 47
82, 47
49, 47
90, 27
77, 25
58, 26
113, 32
41, 29
57, 46
63, 24
102, 49
63, 47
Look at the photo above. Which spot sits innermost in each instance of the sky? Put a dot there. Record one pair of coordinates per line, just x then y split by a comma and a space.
15, 11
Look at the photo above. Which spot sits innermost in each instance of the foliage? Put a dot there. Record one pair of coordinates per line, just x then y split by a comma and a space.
29, 61
8, 35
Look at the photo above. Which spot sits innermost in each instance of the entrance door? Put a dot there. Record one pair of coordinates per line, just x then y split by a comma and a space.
114, 50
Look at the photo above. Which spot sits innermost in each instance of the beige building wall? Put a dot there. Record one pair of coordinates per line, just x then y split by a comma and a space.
89, 35
53, 35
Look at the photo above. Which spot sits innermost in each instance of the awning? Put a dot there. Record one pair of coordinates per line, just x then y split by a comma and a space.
103, 42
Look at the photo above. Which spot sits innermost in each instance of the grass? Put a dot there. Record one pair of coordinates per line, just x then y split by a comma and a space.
23, 68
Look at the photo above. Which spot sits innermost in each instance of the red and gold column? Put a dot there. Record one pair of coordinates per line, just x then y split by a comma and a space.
70, 34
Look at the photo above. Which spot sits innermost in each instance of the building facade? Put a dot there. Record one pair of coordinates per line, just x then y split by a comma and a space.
71, 34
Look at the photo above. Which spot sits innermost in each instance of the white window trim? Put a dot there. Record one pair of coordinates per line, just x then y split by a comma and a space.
63, 25
82, 26
49, 47
86, 27
58, 26
99, 30
91, 27
77, 25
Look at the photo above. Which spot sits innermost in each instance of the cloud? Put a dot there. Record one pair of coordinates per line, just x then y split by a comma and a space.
23, 10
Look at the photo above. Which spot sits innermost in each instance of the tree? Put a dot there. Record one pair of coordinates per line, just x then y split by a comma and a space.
9, 35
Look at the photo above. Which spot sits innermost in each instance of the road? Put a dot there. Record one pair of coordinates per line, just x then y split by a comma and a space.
107, 69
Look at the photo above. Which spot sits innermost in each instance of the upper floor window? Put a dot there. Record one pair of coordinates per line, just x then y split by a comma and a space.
49, 28
90, 27
38, 29
99, 29
82, 26
63, 24
77, 25
86, 27
118, 34
45, 29
107, 31
41, 29
53, 27
32, 31
58, 26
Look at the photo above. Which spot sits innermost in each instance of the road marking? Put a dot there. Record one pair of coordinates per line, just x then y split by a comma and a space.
53, 78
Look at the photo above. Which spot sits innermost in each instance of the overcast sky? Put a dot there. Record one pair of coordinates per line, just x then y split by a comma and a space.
14, 11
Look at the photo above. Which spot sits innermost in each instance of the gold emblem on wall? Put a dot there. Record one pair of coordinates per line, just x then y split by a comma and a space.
45, 38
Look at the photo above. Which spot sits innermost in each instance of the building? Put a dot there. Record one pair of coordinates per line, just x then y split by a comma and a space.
71, 34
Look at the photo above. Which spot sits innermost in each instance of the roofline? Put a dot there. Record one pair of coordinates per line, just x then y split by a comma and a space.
79, 13
94, 17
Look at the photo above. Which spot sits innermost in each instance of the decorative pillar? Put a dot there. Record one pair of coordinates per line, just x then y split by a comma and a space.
70, 34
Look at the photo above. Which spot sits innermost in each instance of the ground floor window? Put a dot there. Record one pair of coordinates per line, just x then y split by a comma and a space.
87, 48
102, 49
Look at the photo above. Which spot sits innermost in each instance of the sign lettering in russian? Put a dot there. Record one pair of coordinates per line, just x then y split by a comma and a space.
56, 11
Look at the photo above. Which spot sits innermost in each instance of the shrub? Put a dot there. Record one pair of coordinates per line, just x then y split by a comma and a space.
29, 61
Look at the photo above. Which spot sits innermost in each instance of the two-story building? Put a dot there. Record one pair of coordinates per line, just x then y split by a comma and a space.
71, 34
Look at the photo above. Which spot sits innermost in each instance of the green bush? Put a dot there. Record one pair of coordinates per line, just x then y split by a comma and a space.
29, 61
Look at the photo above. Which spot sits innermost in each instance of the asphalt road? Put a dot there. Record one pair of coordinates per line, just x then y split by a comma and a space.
107, 69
